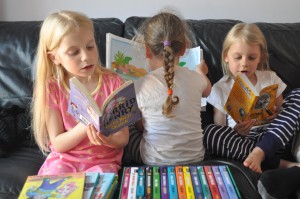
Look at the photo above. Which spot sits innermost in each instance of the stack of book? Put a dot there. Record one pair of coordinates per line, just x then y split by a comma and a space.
171, 182
90, 185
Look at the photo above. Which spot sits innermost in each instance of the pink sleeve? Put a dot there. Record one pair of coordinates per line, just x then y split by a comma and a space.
53, 95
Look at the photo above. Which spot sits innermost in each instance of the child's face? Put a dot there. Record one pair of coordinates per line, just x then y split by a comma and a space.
78, 53
243, 58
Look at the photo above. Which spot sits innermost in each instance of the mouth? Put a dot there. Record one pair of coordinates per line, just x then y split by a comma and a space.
87, 67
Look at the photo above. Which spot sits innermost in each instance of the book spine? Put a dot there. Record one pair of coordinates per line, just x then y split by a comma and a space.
133, 183
156, 182
233, 182
188, 183
204, 183
228, 183
180, 182
148, 171
140, 192
220, 182
196, 183
212, 183
164, 182
125, 183
172, 182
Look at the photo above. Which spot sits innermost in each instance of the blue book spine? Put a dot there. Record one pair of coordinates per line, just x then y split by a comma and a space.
220, 182
172, 182
140, 192
196, 183
228, 183
164, 182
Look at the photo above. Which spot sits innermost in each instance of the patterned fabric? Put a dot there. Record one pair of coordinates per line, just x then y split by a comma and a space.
85, 156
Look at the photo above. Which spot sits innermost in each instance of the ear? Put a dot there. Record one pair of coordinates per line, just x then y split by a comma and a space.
183, 50
148, 52
52, 57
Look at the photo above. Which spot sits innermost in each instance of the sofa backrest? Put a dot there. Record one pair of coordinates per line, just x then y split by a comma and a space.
18, 44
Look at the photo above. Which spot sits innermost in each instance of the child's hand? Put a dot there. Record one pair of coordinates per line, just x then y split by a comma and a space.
243, 128
202, 68
97, 138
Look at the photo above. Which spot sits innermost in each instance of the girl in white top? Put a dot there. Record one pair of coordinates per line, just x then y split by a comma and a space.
245, 51
169, 96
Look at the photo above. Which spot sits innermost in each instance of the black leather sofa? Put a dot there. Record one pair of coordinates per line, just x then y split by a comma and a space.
19, 155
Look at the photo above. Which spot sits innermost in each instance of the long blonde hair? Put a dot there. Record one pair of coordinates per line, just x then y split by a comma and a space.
252, 35
166, 35
54, 28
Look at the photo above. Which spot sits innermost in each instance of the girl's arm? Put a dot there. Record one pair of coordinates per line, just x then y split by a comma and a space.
63, 141
202, 69
116, 140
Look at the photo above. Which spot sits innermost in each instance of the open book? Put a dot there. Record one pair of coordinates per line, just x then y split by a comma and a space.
245, 102
127, 57
119, 110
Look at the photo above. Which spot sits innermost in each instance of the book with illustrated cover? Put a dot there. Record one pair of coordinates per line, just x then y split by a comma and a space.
204, 183
119, 110
220, 182
245, 102
228, 182
196, 183
172, 182
91, 181
127, 57
105, 187
68, 185
125, 183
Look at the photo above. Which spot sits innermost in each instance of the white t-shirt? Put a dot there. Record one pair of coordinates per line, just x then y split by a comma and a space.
221, 89
175, 140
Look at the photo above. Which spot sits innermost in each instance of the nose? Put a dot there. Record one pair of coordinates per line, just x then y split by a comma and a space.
244, 63
84, 55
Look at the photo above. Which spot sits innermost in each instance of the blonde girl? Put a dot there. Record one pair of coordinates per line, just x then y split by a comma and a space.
67, 48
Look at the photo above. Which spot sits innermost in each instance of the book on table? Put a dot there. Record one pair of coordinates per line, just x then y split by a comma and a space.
68, 185
119, 110
91, 180
127, 58
178, 182
245, 102
106, 186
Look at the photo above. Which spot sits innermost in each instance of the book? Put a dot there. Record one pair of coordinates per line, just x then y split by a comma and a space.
228, 183
245, 102
164, 182
105, 185
140, 192
212, 182
172, 182
127, 57
91, 180
156, 182
204, 183
119, 109
68, 185
148, 171
188, 183
133, 183
180, 182
196, 183
233, 182
220, 182
125, 183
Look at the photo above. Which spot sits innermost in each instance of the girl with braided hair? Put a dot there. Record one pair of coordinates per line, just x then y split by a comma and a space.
169, 96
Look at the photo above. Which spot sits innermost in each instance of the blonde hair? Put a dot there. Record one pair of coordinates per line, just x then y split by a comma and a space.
54, 28
167, 36
252, 35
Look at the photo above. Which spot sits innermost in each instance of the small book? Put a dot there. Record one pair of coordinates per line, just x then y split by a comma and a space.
91, 180
133, 182
204, 183
245, 102
141, 185
119, 110
148, 171
220, 182
196, 183
172, 182
125, 183
127, 57
68, 185
164, 182
188, 182
105, 186
156, 182
180, 182
212, 182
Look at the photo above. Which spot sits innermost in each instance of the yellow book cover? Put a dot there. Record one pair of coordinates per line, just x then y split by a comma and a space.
245, 102
188, 183
69, 185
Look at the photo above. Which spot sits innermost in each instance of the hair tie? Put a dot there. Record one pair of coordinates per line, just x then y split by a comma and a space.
170, 91
167, 43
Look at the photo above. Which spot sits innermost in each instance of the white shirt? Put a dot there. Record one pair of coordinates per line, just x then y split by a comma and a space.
220, 90
175, 140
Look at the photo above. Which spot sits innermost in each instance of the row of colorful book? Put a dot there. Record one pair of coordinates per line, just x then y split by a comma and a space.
183, 182
90, 185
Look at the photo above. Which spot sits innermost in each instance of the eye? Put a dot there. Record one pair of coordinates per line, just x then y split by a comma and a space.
90, 47
73, 52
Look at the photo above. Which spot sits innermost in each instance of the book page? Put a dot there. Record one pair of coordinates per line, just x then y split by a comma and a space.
191, 58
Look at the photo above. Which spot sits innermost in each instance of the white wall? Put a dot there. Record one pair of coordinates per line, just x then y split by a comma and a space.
280, 11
